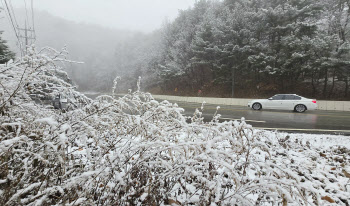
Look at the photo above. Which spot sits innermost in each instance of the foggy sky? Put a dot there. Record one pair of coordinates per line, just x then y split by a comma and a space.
139, 15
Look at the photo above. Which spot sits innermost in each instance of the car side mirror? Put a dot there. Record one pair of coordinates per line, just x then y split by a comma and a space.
270, 98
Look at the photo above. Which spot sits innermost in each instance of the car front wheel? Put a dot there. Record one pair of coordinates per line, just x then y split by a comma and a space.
300, 108
257, 106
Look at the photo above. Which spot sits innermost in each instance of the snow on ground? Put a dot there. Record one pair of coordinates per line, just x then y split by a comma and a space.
318, 140
320, 161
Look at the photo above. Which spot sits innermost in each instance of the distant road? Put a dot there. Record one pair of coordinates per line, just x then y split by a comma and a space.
319, 121
327, 122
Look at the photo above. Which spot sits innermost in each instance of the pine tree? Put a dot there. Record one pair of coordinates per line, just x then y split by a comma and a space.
5, 53
285, 46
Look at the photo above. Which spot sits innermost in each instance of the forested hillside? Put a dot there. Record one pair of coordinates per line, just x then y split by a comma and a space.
239, 48
250, 48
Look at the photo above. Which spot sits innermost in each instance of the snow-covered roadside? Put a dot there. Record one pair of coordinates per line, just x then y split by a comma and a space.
322, 161
324, 141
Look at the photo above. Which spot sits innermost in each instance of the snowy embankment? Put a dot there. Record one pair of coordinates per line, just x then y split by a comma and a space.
325, 159
135, 150
321, 141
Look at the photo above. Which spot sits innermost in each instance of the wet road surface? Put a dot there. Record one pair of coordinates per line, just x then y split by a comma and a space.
317, 121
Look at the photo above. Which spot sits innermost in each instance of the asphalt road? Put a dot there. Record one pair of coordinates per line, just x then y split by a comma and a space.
317, 121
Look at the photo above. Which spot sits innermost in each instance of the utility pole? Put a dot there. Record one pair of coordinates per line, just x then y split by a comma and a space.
28, 37
25, 36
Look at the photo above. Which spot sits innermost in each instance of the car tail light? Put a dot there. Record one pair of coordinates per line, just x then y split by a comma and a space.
313, 101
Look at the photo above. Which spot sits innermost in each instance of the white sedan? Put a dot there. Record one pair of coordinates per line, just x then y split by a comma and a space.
291, 102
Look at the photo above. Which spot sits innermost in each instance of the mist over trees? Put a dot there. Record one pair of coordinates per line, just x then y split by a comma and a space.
240, 48
258, 47
95, 46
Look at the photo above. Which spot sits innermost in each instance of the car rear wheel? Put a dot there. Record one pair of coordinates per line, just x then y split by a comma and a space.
257, 106
300, 108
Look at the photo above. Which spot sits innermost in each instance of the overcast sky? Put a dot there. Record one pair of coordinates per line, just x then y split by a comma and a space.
142, 15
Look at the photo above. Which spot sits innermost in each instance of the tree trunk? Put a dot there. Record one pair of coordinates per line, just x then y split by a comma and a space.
192, 84
346, 86
282, 83
333, 82
233, 82
325, 83
313, 84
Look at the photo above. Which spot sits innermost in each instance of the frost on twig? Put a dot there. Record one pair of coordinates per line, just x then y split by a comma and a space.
115, 82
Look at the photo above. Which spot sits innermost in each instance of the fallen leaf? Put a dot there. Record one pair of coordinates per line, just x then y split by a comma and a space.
328, 199
173, 202
346, 174
323, 155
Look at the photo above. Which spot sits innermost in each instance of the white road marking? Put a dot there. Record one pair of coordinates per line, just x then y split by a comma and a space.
245, 120
310, 130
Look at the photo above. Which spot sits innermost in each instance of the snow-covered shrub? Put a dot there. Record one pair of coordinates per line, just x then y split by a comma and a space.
135, 150
36, 76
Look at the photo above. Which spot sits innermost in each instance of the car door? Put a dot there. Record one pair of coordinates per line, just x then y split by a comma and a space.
275, 102
289, 102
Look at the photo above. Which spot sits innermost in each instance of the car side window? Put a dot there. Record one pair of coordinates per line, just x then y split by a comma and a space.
278, 97
290, 97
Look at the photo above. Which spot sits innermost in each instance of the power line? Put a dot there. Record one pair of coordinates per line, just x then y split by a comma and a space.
33, 18
12, 23
29, 26
9, 15
0, 11
25, 7
15, 30
13, 13
26, 34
